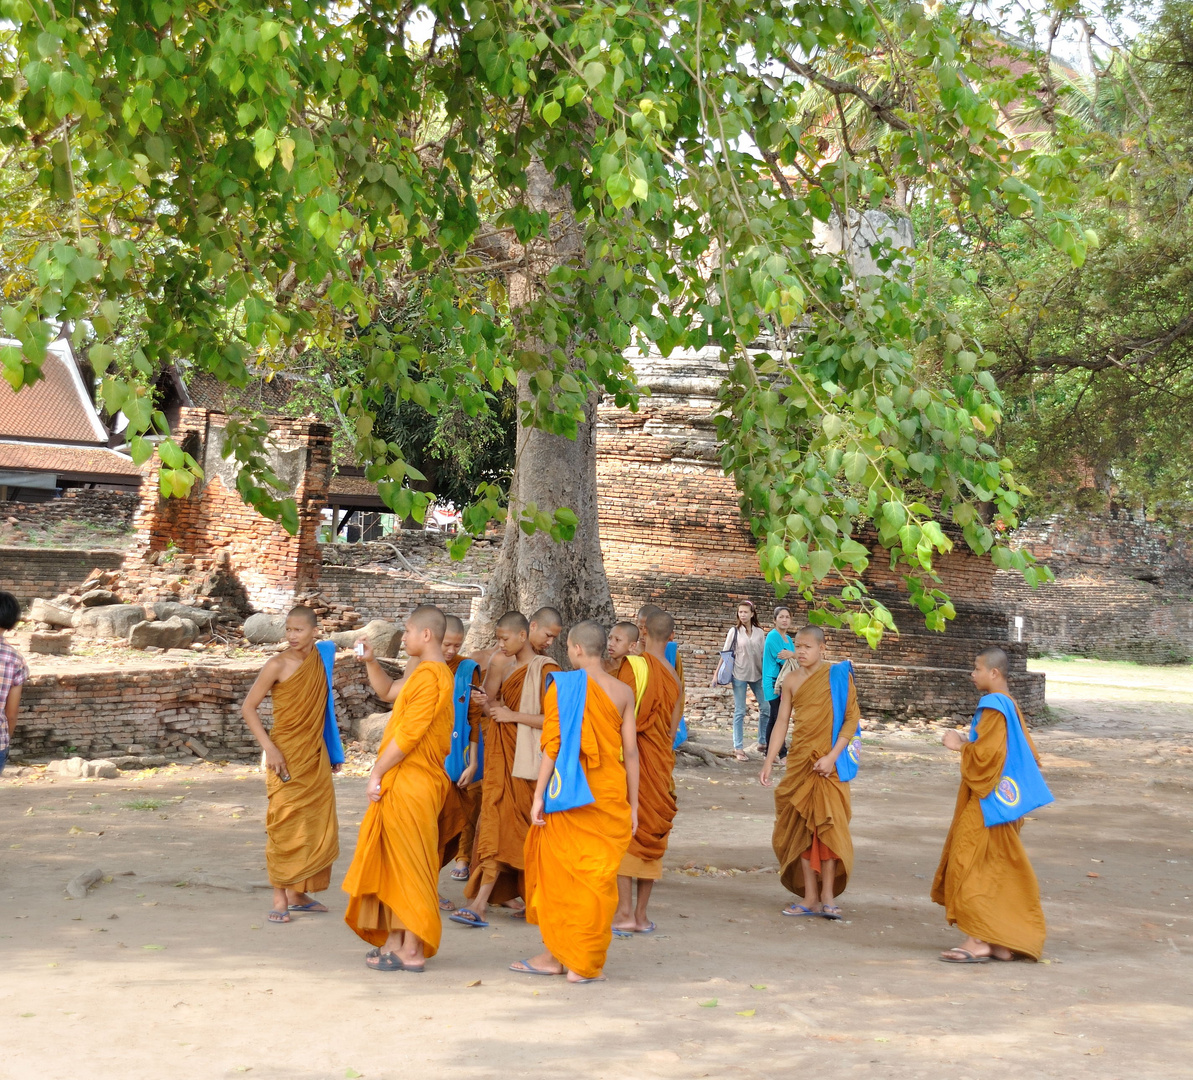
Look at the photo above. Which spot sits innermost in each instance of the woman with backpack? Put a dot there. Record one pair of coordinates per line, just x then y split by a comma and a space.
742, 654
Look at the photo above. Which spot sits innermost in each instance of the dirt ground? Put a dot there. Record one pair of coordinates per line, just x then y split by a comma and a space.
170, 970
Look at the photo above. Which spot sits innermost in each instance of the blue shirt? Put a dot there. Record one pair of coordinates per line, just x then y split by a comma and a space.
776, 642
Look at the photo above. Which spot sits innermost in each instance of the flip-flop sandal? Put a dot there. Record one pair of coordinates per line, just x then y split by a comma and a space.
528, 968
648, 930
460, 873
740, 755
384, 961
581, 982
799, 911
313, 906
622, 933
832, 912
445, 904
468, 917
278, 917
966, 957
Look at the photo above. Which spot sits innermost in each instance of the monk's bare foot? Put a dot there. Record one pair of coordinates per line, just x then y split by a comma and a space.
514, 905
575, 978
543, 964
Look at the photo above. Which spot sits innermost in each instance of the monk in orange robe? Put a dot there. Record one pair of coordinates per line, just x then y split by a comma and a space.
572, 855
302, 834
460, 809
659, 709
515, 683
391, 884
812, 809
985, 881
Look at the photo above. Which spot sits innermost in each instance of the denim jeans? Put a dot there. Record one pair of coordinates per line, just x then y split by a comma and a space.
3, 759
739, 709
770, 724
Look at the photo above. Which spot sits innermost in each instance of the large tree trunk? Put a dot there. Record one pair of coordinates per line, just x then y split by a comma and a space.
550, 471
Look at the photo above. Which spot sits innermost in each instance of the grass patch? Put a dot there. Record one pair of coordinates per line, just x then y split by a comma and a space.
144, 804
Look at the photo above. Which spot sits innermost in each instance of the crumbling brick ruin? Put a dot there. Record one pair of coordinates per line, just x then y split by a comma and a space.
271, 565
672, 533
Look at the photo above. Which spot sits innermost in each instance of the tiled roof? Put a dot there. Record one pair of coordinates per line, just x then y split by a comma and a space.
69, 461
55, 408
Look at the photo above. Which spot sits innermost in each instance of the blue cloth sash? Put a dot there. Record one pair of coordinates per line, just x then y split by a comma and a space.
839, 677
331, 730
568, 787
681, 732
457, 756
1021, 788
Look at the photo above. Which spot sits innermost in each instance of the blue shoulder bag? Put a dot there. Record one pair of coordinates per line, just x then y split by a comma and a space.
681, 732
839, 677
331, 730
1021, 788
457, 756
568, 787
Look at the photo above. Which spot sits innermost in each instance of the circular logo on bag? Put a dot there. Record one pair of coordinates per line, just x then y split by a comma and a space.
855, 749
1007, 792
555, 785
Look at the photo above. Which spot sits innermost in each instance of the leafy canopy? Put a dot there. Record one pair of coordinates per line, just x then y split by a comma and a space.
252, 179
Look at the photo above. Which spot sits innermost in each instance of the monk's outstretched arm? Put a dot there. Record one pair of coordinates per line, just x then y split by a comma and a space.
629, 752
778, 735
262, 685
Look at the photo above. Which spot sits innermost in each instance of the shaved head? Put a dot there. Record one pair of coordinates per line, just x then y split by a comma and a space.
813, 632
589, 637
547, 617
659, 625
428, 617
455, 625
305, 613
626, 627
995, 659
513, 621
647, 610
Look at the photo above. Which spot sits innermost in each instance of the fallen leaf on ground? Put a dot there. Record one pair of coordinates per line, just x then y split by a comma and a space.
1092, 874
757, 986
711, 1004
475, 982
1095, 1051
352, 1074
152, 946
747, 1012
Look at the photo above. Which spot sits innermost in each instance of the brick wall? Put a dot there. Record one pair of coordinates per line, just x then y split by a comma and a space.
672, 534
105, 711
377, 594
111, 510
271, 564
30, 572
1123, 590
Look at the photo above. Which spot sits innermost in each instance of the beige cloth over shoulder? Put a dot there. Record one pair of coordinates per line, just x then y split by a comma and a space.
528, 752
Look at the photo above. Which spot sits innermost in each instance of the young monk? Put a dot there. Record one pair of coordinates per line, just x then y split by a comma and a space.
573, 851
659, 709
391, 884
546, 625
457, 823
302, 833
623, 639
985, 881
514, 685
811, 836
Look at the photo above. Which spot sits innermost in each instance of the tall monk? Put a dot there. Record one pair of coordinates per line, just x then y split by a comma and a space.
985, 880
457, 823
659, 709
515, 683
391, 883
811, 836
302, 834
574, 846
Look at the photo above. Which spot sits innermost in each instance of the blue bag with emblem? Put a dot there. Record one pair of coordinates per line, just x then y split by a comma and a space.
457, 756
1021, 788
681, 732
839, 677
331, 730
568, 787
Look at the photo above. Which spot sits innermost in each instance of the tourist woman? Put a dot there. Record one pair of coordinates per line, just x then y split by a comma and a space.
746, 640
779, 648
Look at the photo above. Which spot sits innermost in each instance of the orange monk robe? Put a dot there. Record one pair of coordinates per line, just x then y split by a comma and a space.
572, 861
812, 811
656, 763
459, 808
984, 880
302, 834
392, 883
497, 851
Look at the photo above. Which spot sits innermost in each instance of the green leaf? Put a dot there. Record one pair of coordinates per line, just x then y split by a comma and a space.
551, 111
594, 74
710, 1004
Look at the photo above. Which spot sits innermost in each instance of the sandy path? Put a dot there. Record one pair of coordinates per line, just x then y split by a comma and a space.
154, 980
